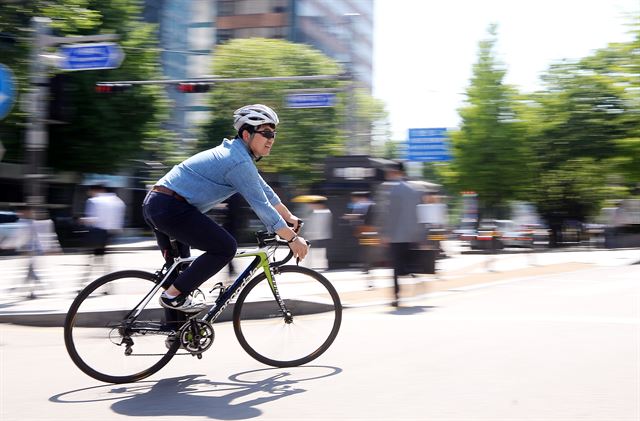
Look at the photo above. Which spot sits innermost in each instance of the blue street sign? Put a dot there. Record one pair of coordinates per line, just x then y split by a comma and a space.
318, 100
428, 145
90, 56
7, 90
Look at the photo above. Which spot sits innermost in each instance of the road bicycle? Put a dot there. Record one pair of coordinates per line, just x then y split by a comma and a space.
286, 315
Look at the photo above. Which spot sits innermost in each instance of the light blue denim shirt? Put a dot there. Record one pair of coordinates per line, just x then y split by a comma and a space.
211, 176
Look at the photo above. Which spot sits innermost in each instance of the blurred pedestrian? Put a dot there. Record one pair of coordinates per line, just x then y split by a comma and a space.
104, 217
28, 243
399, 223
433, 214
357, 217
318, 230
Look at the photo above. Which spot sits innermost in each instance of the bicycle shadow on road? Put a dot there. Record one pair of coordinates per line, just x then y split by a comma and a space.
410, 310
194, 395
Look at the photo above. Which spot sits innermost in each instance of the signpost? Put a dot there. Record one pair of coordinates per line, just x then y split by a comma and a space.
89, 52
315, 100
7, 90
428, 145
96, 56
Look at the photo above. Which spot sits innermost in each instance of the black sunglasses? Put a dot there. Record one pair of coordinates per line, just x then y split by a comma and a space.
267, 133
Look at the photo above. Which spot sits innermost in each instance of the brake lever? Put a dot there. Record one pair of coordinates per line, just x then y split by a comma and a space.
300, 225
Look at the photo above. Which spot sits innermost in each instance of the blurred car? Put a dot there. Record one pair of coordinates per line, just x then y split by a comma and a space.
10, 232
488, 235
528, 235
466, 231
595, 234
515, 235
541, 235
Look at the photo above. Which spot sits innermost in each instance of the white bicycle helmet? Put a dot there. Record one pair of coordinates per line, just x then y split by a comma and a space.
254, 115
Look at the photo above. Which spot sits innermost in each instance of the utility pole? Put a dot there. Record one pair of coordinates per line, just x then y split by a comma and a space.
37, 135
353, 143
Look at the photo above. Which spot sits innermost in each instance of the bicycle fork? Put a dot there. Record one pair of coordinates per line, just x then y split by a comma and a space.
288, 316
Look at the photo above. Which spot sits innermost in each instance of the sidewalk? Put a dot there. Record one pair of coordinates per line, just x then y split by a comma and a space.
455, 274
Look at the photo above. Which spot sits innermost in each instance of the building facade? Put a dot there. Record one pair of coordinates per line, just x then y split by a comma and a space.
190, 29
186, 31
341, 29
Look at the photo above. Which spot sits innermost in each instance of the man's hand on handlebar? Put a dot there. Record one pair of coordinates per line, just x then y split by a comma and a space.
295, 223
299, 248
299, 245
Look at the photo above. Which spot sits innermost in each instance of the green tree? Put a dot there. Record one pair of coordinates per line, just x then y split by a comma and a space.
305, 136
619, 65
371, 122
490, 156
100, 133
588, 114
569, 192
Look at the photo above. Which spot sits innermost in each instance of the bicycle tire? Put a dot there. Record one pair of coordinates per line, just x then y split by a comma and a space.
90, 329
314, 304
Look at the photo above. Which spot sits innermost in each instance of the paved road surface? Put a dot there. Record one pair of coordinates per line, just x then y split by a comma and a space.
552, 347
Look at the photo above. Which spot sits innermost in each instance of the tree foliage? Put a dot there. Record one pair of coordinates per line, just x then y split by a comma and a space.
585, 124
99, 133
490, 155
566, 148
305, 136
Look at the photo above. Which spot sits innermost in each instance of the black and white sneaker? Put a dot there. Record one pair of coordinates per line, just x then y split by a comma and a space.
184, 303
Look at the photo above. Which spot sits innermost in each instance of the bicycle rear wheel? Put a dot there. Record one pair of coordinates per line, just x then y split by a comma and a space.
307, 329
106, 345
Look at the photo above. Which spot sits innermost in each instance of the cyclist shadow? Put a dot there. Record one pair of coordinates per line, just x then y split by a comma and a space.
193, 395
411, 310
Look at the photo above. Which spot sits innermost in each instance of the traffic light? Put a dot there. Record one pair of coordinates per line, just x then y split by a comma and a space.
193, 88
105, 88
61, 107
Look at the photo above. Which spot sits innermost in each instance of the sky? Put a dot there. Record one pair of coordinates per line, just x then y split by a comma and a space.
424, 50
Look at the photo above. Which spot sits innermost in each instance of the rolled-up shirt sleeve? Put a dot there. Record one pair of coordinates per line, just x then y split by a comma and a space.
271, 195
245, 179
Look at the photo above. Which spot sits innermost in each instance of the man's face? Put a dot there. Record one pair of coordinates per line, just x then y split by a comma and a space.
263, 140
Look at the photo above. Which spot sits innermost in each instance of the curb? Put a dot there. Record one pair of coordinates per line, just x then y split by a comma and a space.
57, 319
350, 299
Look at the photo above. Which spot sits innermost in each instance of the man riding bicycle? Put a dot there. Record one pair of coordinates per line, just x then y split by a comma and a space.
176, 205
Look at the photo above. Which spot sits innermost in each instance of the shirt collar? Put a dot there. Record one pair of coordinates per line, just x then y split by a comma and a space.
246, 148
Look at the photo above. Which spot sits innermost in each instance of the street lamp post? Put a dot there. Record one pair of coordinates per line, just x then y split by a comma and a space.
36, 135
353, 144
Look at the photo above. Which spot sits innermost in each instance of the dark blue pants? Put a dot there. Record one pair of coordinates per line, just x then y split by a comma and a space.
400, 260
173, 218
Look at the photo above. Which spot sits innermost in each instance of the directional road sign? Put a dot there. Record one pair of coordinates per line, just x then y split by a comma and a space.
7, 90
316, 100
107, 55
428, 145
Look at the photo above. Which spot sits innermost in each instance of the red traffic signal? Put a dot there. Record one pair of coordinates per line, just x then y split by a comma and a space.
109, 88
193, 88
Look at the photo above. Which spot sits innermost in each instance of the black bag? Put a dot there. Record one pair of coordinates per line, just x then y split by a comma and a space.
422, 261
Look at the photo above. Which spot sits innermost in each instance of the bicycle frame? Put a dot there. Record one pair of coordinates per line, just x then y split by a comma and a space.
261, 260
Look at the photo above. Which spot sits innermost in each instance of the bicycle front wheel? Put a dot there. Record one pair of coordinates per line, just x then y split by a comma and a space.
105, 342
296, 334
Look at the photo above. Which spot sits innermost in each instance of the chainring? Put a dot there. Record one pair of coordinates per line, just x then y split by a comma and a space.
196, 336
